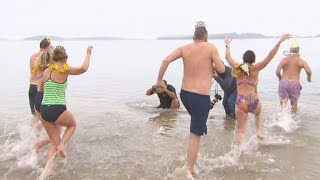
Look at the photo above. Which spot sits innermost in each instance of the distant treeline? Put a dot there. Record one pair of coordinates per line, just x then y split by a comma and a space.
233, 35
56, 38
222, 36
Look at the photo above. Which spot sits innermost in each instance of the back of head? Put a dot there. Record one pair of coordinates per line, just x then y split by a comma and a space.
295, 48
44, 60
165, 82
59, 54
200, 31
249, 57
45, 43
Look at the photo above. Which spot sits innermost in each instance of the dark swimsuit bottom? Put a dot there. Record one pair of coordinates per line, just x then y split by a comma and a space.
37, 100
51, 113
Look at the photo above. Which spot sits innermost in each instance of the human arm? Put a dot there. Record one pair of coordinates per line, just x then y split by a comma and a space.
30, 65
217, 62
217, 77
232, 62
262, 64
152, 90
169, 90
278, 71
223, 82
85, 65
308, 70
176, 54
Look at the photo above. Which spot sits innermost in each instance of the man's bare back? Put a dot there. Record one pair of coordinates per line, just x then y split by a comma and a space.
199, 59
291, 68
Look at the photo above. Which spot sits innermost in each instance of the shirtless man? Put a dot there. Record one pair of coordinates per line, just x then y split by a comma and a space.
200, 58
289, 85
33, 72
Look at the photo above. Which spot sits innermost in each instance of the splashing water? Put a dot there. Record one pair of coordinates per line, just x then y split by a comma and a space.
284, 120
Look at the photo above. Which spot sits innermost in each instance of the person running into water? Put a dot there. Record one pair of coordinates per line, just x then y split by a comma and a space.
41, 65
247, 74
199, 59
53, 109
44, 44
289, 80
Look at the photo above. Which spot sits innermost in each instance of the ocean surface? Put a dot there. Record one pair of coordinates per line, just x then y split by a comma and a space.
121, 135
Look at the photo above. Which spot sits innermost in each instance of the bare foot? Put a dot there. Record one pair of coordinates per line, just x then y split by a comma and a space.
190, 171
62, 151
260, 137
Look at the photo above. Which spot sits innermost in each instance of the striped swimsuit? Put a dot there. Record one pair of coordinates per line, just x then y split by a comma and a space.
54, 100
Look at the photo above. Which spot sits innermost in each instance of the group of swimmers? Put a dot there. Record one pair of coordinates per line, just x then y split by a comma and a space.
48, 83
200, 60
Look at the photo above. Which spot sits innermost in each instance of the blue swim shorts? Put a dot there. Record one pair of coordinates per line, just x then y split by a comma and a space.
198, 106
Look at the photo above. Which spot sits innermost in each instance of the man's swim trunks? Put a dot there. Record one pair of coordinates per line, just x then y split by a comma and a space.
198, 107
289, 89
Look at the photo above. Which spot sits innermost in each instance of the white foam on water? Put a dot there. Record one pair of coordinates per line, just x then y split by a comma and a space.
275, 140
18, 148
231, 159
182, 173
284, 120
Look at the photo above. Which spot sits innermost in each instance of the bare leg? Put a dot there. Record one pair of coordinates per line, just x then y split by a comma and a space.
39, 144
53, 132
193, 149
284, 103
66, 119
258, 117
242, 118
36, 122
175, 104
294, 106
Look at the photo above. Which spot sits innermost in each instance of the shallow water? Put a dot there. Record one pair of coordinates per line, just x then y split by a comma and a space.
121, 135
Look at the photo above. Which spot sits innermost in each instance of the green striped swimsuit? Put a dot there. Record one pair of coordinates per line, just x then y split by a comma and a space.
54, 93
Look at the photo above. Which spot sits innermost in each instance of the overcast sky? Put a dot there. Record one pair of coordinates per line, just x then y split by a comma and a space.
150, 18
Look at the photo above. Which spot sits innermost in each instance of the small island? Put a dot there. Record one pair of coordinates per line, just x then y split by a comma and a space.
233, 35
57, 38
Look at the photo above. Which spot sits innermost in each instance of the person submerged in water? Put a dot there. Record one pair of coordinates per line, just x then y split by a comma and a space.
167, 95
289, 80
247, 75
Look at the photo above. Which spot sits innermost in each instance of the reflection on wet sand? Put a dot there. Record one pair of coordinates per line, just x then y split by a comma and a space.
165, 120
229, 123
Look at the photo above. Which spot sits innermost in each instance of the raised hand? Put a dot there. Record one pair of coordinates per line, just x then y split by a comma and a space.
89, 50
285, 37
227, 40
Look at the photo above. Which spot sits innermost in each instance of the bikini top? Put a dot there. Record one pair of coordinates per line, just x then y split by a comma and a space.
245, 80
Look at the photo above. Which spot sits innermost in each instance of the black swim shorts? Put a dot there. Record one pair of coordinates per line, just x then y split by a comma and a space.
198, 106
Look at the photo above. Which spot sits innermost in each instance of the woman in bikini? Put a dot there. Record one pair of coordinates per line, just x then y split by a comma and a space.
247, 75
53, 109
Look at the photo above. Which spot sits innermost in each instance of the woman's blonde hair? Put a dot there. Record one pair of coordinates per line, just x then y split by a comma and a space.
44, 60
